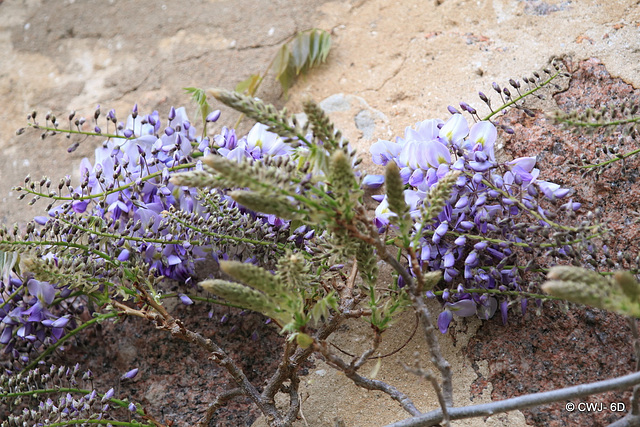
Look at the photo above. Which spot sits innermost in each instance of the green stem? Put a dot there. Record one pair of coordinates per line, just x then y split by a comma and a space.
614, 159
106, 193
79, 132
59, 299
101, 254
117, 402
503, 293
100, 422
580, 123
223, 236
128, 237
10, 297
521, 205
521, 97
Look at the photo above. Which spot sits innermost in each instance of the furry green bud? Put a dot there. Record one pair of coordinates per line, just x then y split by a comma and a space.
219, 164
628, 284
576, 274
240, 295
588, 287
254, 276
277, 205
431, 279
367, 263
198, 179
395, 190
578, 292
294, 271
341, 175
439, 194
258, 111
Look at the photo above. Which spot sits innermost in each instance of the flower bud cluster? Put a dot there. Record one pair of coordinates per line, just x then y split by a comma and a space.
126, 211
128, 187
46, 404
496, 213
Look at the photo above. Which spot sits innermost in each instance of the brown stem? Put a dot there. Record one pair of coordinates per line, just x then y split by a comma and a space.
434, 347
418, 303
294, 400
350, 371
176, 328
290, 363
216, 404
428, 375
283, 372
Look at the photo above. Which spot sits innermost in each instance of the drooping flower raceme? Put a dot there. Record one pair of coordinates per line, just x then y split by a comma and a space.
478, 237
129, 181
126, 198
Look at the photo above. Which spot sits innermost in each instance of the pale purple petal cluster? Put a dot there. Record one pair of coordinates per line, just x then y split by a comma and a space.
486, 202
152, 147
28, 321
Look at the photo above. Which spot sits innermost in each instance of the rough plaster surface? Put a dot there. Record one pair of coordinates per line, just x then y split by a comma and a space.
392, 64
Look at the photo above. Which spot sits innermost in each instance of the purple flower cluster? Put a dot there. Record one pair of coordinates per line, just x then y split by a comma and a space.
27, 321
129, 181
127, 186
476, 238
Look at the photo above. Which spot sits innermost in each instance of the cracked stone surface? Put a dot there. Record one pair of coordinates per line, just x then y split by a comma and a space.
392, 64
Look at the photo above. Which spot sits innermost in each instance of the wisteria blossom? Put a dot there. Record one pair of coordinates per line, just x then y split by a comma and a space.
151, 147
487, 200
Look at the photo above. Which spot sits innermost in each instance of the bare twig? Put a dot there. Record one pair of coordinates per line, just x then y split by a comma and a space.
431, 337
294, 400
357, 364
165, 321
350, 372
522, 402
428, 375
216, 404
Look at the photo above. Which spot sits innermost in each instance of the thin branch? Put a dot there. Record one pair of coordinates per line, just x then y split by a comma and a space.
522, 402
428, 375
294, 400
629, 420
283, 372
217, 404
431, 336
164, 320
420, 307
349, 371
357, 364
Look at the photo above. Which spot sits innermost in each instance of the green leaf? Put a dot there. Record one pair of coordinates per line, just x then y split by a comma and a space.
7, 261
300, 49
281, 61
306, 50
249, 85
304, 340
199, 96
